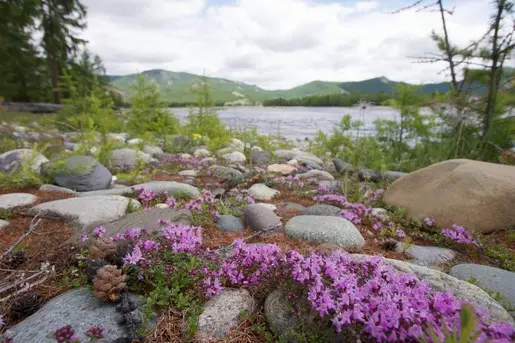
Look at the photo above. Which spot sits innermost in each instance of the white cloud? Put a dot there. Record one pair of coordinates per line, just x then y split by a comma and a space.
274, 43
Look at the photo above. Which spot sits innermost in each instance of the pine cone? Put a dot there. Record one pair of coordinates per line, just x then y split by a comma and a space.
108, 283
25, 304
16, 259
103, 246
92, 268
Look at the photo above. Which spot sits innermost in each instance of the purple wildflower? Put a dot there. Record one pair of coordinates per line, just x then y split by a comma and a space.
133, 257
429, 221
95, 332
459, 234
66, 334
400, 233
98, 231
84, 238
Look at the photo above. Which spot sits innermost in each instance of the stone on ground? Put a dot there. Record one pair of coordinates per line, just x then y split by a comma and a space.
292, 206
369, 175
259, 218
235, 157
84, 212
152, 150
477, 195
171, 188
271, 207
297, 155
201, 153
78, 308
127, 158
342, 166
79, 173
316, 174
260, 157
3, 224
489, 279
325, 229
12, 200
278, 313
393, 175
223, 313
283, 169
12, 161
229, 223
262, 192
432, 257
380, 213
54, 188
441, 282
321, 210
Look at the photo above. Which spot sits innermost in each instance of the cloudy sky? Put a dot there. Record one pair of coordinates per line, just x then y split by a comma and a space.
275, 44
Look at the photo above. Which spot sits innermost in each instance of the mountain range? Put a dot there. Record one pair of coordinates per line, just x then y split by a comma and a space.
175, 87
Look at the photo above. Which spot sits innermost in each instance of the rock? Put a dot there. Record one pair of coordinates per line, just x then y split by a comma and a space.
185, 156
259, 218
54, 188
262, 192
79, 173
201, 153
118, 137
369, 175
278, 314
84, 212
393, 175
235, 157
316, 174
488, 278
135, 141
222, 313
208, 160
78, 308
432, 257
148, 219
3, 224
228, 223
127, 158
152, 150
298, 155
12, 200
342, 166
442, 282
171, 188
271, 207
188, 173
291, 206
260, 157
477, 195
309, 161
283, 169
325, 229
227, 173
321, 210
12, 161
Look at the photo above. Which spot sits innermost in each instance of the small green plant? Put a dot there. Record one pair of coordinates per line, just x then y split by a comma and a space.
467, 333
26, 175
6, 214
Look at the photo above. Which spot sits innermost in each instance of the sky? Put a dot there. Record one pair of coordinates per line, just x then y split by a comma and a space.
276, 44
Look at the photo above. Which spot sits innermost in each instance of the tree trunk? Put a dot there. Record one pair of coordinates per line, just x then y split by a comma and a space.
54, 78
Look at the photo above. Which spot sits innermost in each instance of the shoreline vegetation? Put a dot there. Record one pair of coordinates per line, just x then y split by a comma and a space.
162, 231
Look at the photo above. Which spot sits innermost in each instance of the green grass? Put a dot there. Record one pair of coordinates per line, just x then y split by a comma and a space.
26, 118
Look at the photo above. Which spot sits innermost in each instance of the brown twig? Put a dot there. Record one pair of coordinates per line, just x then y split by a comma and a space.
24, 289
32, 227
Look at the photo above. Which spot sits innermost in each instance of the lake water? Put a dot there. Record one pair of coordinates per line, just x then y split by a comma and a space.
296, 122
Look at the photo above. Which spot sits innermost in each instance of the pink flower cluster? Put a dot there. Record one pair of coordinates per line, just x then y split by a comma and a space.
245, 266
459, 234
373, 196
183, 238
203, 204
185, 162
147, 196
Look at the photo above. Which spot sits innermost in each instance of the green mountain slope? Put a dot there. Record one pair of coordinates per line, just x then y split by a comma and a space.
177, 87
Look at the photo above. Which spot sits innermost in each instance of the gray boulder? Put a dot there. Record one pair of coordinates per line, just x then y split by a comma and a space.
432, 257
325, 229
393, 175
228, 223
127, 158
279, 314
12, 161
222, 313
152, 150
342, 166
12, 200
259, 218
262, 192
54, 188
78, 308
171, 188
3, 224
79, 173
316, 174
321, 210
84, 212
490, 279
260, 157
229, 174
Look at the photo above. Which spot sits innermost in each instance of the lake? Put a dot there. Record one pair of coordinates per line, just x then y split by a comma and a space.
296, 122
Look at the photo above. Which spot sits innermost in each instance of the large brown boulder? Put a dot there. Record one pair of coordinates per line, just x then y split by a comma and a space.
477, 195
